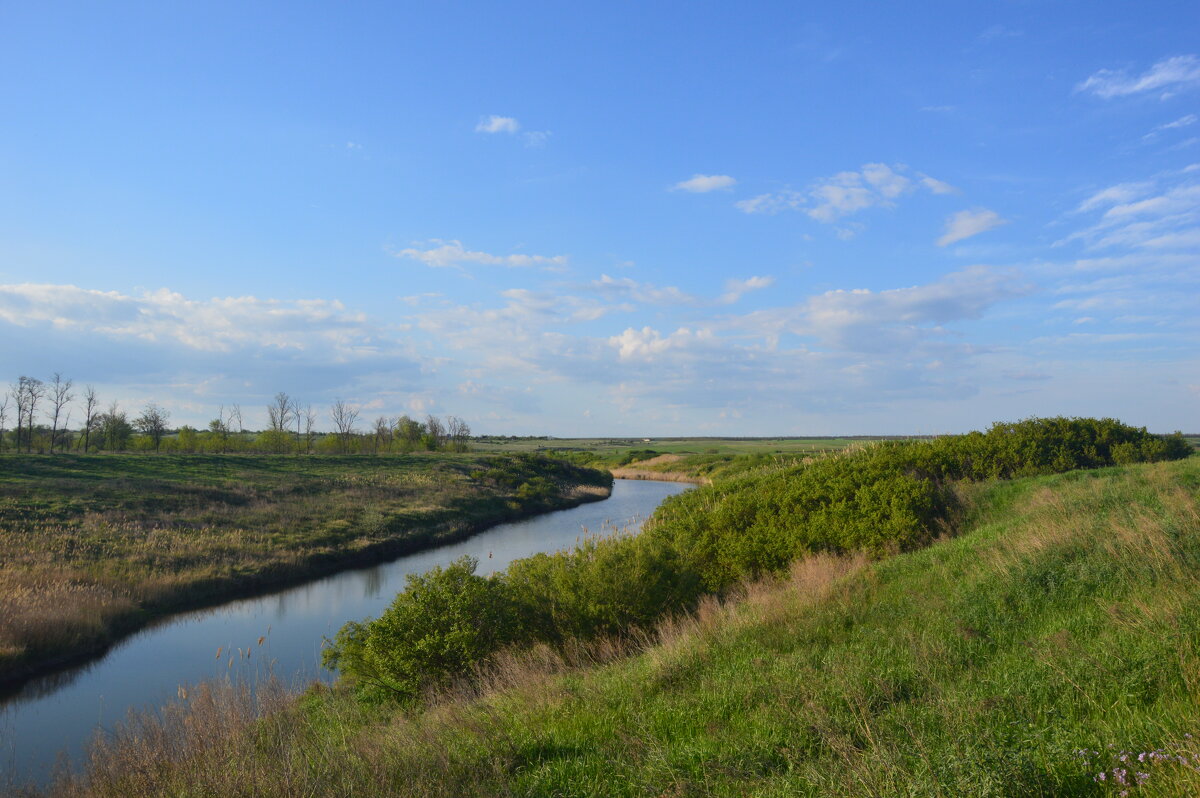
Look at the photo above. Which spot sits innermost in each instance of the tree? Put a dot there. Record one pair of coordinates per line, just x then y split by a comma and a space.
383, 433
435, 433
409, 432
344, 418
279, 412
114, 428
458, 432
298, 416
90, 403
26, 393
3, 419
60, 397
153, 422
218, 429
310, 427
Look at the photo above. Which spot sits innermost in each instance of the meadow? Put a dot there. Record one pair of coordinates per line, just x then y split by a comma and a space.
1034, 633
93, 546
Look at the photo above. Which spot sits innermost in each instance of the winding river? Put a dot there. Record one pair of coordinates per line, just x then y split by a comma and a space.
54, 716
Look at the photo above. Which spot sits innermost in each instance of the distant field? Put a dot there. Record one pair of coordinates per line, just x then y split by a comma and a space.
92, 545
615, 446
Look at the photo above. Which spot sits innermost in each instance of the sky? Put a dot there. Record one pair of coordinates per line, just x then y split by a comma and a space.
609, 219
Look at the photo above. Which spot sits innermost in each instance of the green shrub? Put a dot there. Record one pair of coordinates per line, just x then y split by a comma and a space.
881, 498
444, 622
603, 587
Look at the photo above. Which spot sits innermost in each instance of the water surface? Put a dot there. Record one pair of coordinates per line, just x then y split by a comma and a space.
58, 713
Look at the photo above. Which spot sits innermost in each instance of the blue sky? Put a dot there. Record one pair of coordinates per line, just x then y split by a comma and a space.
609, 219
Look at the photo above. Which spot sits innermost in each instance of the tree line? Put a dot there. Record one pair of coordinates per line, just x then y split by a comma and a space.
40, 413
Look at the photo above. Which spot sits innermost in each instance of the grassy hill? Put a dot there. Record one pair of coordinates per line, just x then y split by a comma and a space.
1054, 639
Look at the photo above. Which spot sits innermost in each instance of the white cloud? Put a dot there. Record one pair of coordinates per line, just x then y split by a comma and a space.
649, 344
497, 124
937, 186
1161, 213
167, 317
965, 224
1177, 71
1122, 192
735, 289
702, 184
786, 200
537, 138
444, 254
626, 288
832, 198
1181, 122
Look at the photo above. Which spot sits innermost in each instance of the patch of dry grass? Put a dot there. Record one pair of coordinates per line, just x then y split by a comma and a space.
92, 545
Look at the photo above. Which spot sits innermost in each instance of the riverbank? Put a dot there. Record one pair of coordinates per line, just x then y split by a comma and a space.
1053, 636
94, 548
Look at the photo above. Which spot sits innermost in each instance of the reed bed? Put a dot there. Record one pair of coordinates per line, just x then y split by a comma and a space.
91, 546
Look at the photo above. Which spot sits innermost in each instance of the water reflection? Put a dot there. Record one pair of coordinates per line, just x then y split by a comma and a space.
63, 709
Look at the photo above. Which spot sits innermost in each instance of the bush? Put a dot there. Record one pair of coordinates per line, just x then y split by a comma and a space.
444, 622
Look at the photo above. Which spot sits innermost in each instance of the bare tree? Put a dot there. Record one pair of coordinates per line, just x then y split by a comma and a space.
383, 433
310, 427
435, 431
344, 418
26, 392
298, 417
90, 404
153, 422
3, 419
279, 412
458, 432
219, 426
60, 397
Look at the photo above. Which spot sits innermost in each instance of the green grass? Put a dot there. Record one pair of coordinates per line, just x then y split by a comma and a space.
1066, 616
91, 546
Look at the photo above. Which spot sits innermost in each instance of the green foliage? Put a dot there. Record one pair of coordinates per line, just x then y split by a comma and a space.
882, 498
445, 621
604, 587
887, 496
636, 455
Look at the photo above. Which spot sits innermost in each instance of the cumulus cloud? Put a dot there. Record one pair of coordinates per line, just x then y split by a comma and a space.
965, 224
649, 344
846, 193
497, 124
452, 254
702, 184
1179, 71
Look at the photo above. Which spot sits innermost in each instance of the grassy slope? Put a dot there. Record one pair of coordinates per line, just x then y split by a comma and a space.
1068, 617
90, 546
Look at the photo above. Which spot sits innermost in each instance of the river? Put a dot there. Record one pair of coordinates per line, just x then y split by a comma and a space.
54, 716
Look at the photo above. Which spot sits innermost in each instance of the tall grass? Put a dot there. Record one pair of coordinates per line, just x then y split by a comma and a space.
92, 545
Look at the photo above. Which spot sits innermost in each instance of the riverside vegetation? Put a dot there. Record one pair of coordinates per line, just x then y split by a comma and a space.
786, 631
93, 546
